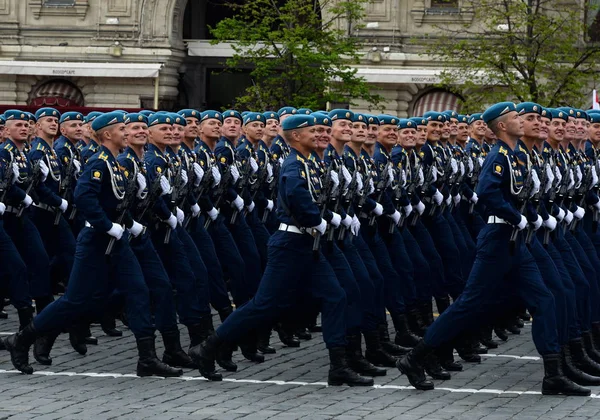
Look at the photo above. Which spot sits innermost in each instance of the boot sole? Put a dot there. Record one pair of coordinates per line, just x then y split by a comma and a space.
10, 349
416, 386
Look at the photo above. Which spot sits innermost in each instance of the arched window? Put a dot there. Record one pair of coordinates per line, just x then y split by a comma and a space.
436, 100
58, 93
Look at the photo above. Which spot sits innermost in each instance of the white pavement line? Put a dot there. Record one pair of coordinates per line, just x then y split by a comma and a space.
277, 382
511, 356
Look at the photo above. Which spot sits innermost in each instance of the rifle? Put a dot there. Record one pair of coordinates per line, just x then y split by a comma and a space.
175, 197
427, 182
538, 202
198, 192
6, 181
581, 191
523, 197
255, 187
244, 181
153, 195
474, 181
64, 189
379, 189
272, 195
220, 193
36, 177
123, 208
322, 204
348, 197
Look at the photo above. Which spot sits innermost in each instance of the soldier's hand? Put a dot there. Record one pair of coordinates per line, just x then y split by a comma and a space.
250, 207
453, 166
238, 203
321, 227
420, 176
523, 223
579, 213
355, 228
597, 205
561, 214
27, 201
378, 210
474, 198
594, 176
550, 223
142, 184
64, 204
359, 182
456, 199
195, 210
213, 214
371, 187
433, 173
165, 187
390, 176
216, 174
77, 166
536, 183
568, 217
335, 180
396, 217
15, 171
537, 223
2, 208
180, 215
199, 172
136, 229
253, 165
269, 170
347, 177
172, 221
438, 197
347, 221
44, 170
235, 174
116, 231
420, 207
270, 205
336, 219
184, 177
407, 209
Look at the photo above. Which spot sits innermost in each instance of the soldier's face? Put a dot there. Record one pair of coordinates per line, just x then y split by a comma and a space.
581, 125
210, 129
421, 135
160, 135
137, 134
514, 124
254, 131
17, 130
594, 133
478, 129
341, 130
116, 135
531, 125
453, 127
446, 131
232, 128
48, 126
434, 130
178, 131
72, 130
31, 127
1, 133
388, 135
557, 129
87, 131
359, 132
544, 128
489, 134
281, 120
307, 137
191, 129
407, 137
570, 129
272, 127
372, 133
323, 136
462, 132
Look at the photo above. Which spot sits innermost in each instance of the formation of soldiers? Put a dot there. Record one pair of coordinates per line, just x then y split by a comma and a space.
154, 217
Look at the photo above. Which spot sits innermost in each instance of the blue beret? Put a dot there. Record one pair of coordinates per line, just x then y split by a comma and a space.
15, 115
136, 117
71, 116
31, 117
475, 117
341, 114
385, 119
91, 116
304, 111
463, 119
233, 113
321, 118
298, 121
287, 110
545, 113
570, 111
244, 113
434, 116
579, 113
254, 116
178, 119
450, 114
419, 121
46, 112
108, 119
146, 112
189, 113
160, 118
593, 111
360, 118
406, 123
559, 113
372, 119
529, 108
594, 117
498, 110
271, 115
211, 115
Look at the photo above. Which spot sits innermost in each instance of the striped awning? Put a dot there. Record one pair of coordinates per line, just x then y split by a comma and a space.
437, 100
57, 93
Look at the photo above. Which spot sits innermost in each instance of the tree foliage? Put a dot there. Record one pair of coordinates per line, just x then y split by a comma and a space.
525, 50
296, 51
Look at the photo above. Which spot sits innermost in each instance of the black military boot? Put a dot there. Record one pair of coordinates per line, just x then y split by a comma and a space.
148, 363
204, 356
77, 337
446, 358
109, 326
404, 337
581, 359
590, 349
434, 369
249, 348
225, 351
485, 337
573, 372
262, 341
501, 333
387, 345
356, 360
426, 309
174, 354
303, 334
412, 366
44, 343
524, 315
286, 335
596, 334
18, 345
477, 347
556, 383
25, 316
88, 338
375, 353
464, 348
340, 373
415, 323
442, 303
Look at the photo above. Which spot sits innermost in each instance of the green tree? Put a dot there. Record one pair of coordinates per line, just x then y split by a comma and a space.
296, 51
525, 50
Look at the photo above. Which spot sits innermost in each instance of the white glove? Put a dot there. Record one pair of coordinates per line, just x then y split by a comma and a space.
15, 171
470, 165
44, 170
571, 179
199, 172
371, 187
549, 179
594, 176
355, 228
557, 174
27, 200
116, 231
195, 210
578, 174
270, 204
77, 166
347, 177
568, 217
438, 197
433, 173
270, 170
396, 217
597, 205
64, 204
213, 213
461, 168
336, 219
165, 187
184, 177
480, 160
180, 215
321, 227
550, 223
561, 214
136, 229
448, 200
142, 184
234, 173
359, 182
216, 176
172, 221
453, 166
474, 198
378, 210
407, 209
522, 223
335, 180
280, 161
390, 176
538, 223
536, 183
579, 213
253, 165
420, 207
347, 221
2, 208
456, 199
402, 177
250, 207
420, 176
238, 203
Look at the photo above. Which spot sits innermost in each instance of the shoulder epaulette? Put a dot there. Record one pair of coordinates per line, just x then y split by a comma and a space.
103, 156
503, 151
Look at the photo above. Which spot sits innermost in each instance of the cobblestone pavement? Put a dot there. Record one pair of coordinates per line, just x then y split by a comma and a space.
289, 385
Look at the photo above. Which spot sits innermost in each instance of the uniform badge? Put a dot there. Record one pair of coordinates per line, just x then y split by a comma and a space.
97, 176
158, 169
223, 159
498, 169
303, 174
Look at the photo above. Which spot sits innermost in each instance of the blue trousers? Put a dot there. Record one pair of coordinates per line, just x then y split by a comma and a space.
422, 271
291, 266
495, 271
93, 278
261, 236
590, 253
246, 245
436, 267
464, 241
14, 270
